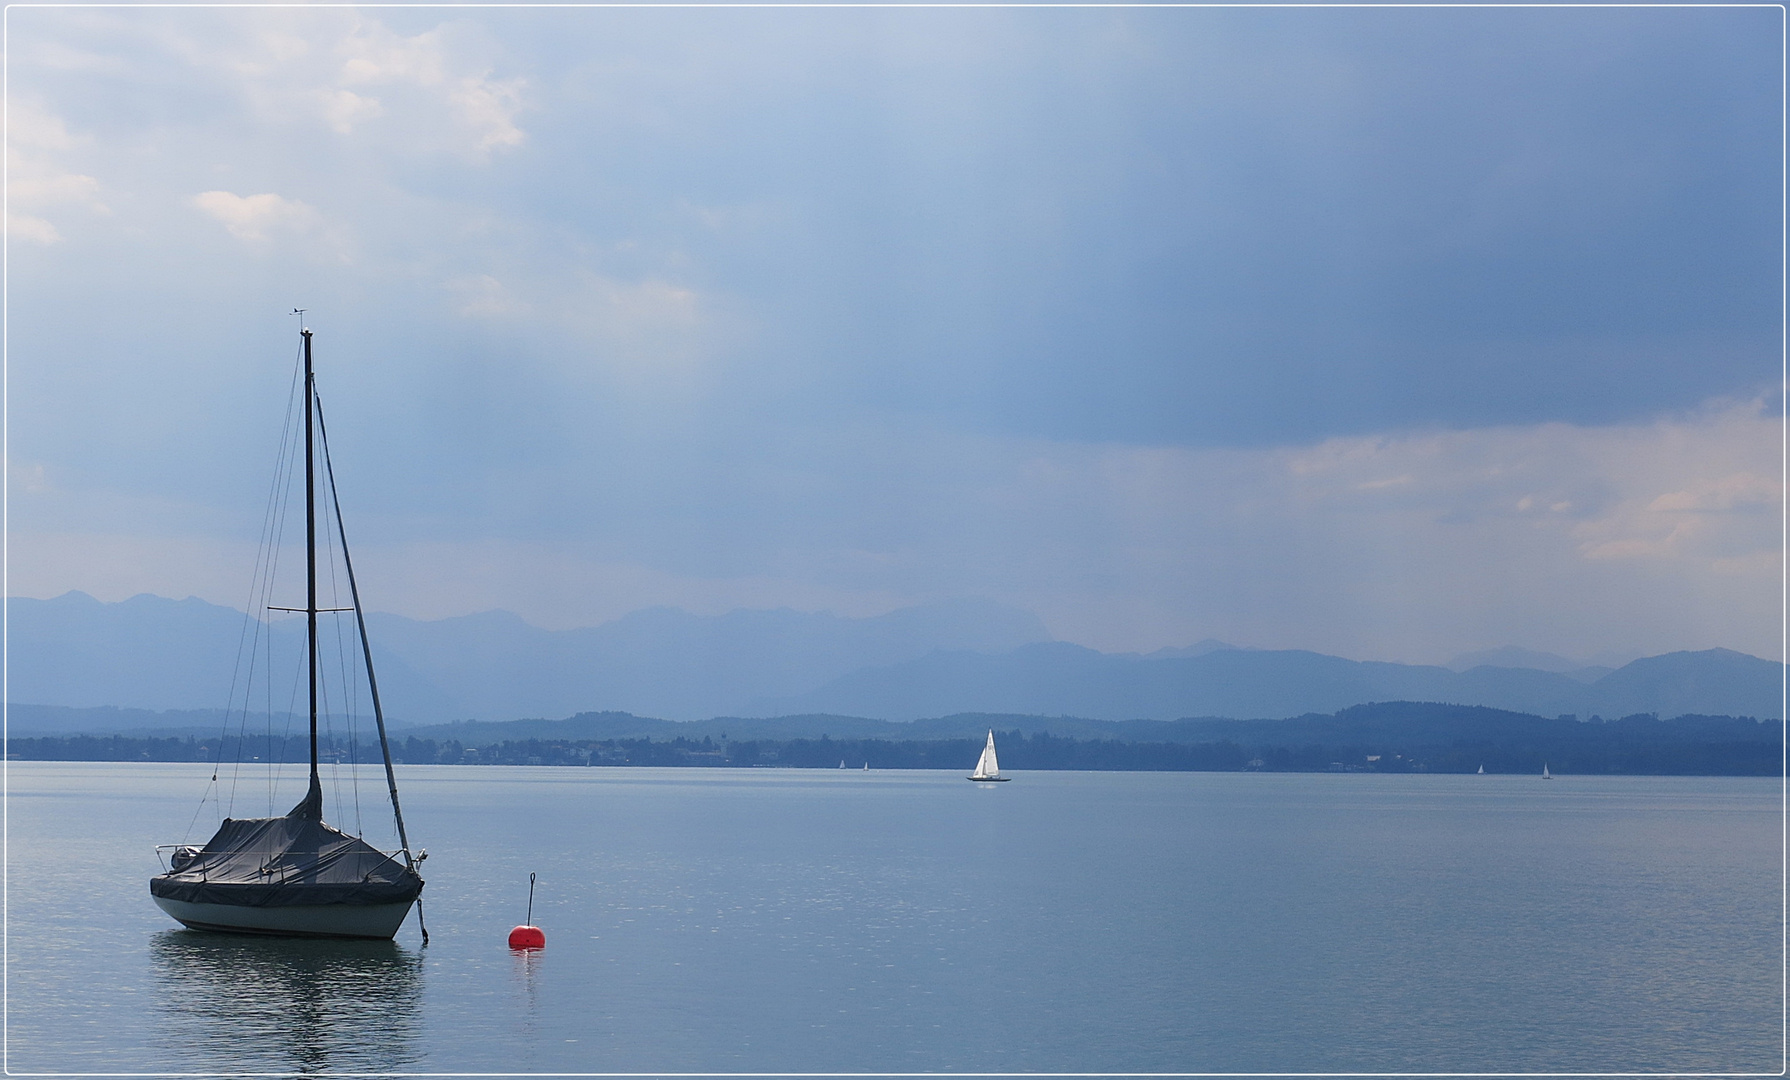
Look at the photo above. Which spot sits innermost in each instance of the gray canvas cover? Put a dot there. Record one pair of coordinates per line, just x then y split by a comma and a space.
287, 862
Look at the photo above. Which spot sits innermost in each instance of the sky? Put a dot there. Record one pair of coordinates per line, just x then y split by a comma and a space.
1393, 333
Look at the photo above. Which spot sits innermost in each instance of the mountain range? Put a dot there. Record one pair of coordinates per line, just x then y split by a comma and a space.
955, 657
1059, 678
149, 652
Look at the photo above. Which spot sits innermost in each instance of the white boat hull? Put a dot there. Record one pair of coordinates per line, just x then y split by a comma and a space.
316, 920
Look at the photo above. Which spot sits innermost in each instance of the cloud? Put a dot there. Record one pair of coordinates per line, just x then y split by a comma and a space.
561, 585
37, 183
1720, 520
1696, 488
257, 217
638, 311
1488, 536
31, 478
1743, 492
489, 107
34, 229
483, 105
344, 109
435, 91
122, 564
481, 296
267, 218
1628, 538
1402, 545
30, 127
648, 338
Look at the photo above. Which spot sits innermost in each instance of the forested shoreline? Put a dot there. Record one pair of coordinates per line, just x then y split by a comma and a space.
1390, 738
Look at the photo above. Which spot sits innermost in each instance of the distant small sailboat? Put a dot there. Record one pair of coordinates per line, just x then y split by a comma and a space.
1545, 774
1482, 770
987, 767
867, 766
842, 763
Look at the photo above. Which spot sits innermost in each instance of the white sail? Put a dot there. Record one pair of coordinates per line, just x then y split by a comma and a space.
1544, 772
987, 765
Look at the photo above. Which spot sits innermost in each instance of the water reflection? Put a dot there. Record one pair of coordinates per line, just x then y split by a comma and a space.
238, 1004
525, 968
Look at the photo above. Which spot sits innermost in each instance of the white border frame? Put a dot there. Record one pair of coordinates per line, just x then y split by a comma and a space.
6, 496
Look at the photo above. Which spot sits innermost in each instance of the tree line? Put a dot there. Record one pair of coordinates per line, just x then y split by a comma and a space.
1643, 745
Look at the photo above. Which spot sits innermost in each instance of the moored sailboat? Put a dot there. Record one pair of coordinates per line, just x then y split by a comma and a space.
988, 768
295, 875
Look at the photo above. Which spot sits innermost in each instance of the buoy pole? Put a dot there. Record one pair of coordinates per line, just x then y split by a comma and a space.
528, 936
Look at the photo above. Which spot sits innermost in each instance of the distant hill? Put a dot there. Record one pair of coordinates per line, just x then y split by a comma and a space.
1510, 656
150, 653
1058, 677
617, 725
666, 662
937, 660
24, 720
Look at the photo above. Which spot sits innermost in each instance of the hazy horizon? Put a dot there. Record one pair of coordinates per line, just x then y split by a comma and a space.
1613, 660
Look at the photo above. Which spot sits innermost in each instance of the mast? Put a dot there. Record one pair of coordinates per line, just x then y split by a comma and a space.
360, 622
313, 804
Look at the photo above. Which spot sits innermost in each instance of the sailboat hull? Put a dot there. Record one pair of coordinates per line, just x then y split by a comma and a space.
378, 921
989, 779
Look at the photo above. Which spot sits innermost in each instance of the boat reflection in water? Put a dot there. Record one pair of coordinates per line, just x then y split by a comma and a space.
305, 1005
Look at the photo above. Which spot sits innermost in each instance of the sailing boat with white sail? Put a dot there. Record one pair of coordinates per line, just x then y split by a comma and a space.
1545, 774
988, 768
294, 875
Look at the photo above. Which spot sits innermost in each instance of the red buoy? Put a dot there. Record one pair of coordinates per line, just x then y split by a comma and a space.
527, 936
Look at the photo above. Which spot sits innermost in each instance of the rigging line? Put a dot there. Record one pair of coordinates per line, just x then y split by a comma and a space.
351, 688
197, 810
329, 712
267, 554
267, 516
263, 642
335, 601
266, 560
360, 622
271, 577
329, 734
273, 532
280, 498
354, 741
275, 761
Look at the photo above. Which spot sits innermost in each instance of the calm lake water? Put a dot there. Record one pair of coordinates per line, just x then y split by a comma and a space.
782, 920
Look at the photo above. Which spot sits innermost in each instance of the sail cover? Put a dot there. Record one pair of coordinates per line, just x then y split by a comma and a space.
287, 861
